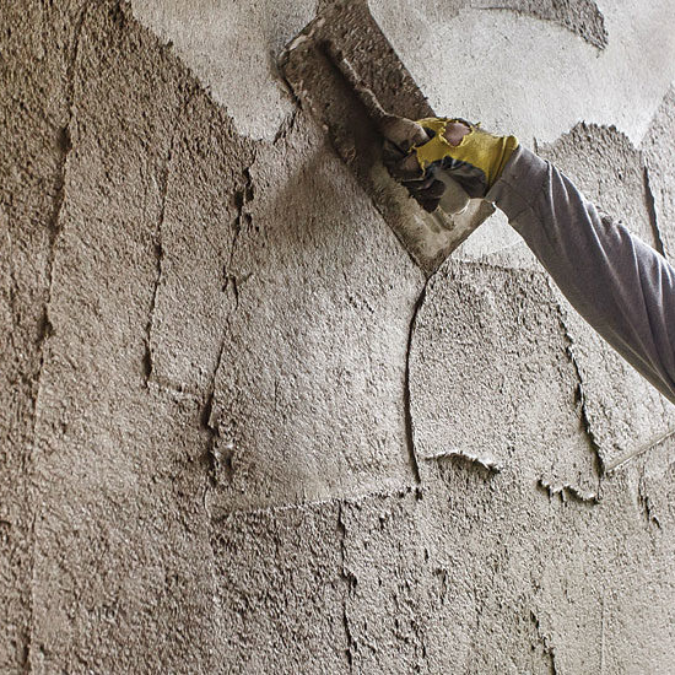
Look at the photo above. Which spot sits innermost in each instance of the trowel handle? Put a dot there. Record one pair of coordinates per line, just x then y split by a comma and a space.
402, 132
454, 200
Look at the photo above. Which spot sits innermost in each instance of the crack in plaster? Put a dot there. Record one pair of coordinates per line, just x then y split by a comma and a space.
651, 210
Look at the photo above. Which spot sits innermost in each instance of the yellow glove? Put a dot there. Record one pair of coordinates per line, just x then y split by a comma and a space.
476, 162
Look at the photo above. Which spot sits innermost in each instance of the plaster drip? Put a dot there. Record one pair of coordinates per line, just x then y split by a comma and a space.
566, 492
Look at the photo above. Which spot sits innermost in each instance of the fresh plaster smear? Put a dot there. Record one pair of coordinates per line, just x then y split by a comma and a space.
554, 78
237, 64
521, 75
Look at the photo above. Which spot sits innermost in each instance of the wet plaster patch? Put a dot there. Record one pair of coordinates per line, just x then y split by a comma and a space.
232, 48
622, 411
543, 97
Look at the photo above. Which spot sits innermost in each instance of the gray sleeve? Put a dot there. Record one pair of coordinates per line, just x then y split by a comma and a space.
623, 288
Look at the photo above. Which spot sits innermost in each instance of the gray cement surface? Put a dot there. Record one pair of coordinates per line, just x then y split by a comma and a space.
241, 432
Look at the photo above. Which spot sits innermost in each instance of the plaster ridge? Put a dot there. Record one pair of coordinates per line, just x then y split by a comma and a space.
581, 396
468, 459
157, 238
215, 457
567, 491
651, 211
398, 493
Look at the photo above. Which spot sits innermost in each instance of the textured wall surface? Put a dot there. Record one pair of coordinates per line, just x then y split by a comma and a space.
240, 432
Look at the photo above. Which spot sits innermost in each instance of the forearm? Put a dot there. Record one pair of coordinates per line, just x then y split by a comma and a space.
621, 286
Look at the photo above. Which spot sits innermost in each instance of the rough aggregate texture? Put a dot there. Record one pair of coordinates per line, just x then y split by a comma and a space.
240, 432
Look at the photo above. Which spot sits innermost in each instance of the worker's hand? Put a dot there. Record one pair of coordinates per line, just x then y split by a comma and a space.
471, 156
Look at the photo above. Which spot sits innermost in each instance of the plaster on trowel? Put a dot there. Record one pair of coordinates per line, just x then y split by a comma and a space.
343, 68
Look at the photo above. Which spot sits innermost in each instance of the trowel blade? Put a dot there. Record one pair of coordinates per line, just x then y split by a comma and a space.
318, 84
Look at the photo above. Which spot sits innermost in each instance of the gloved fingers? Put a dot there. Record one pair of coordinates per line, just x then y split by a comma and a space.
429, 187
429, 205
470, 178
400, 165
427, 193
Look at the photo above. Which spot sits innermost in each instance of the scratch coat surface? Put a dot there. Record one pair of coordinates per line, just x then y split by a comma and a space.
240, 430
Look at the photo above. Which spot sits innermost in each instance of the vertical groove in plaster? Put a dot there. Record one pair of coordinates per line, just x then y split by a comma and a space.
409, 423
55, 228
215, 459
350, 581
157, 239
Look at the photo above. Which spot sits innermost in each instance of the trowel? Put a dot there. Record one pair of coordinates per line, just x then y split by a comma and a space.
345, 71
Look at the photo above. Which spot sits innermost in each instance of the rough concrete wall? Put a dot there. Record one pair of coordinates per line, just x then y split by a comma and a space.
240, 432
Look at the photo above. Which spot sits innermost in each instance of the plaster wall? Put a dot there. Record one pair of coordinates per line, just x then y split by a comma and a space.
240, 431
